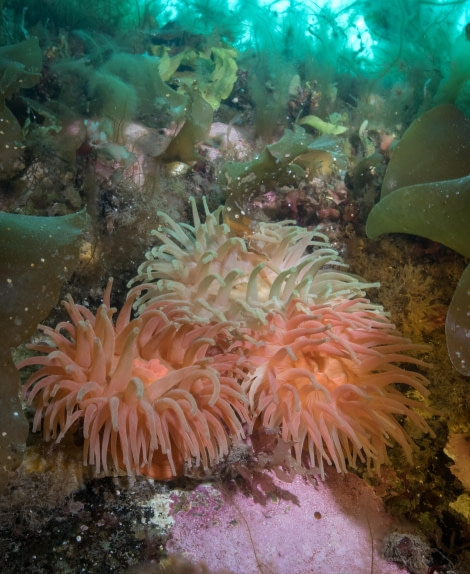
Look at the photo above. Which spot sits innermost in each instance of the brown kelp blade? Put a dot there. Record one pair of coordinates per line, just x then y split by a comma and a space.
439, 211
436, 147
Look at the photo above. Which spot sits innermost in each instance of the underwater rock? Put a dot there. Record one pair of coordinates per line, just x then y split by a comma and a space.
226, 137
333, 526
38, 255
426, 192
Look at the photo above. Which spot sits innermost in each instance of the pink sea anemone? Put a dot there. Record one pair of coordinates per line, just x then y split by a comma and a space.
214, 274
150, 393
326, 377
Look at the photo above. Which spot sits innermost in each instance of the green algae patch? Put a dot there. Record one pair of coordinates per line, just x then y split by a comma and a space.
322, 126
283, 163
221, 82
20, 67
37, 255
195, 129
244, 181
214, 71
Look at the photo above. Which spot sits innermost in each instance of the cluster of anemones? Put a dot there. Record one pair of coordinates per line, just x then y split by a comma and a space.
231, 331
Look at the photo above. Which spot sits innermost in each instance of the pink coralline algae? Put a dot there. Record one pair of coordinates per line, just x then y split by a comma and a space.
332, 527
